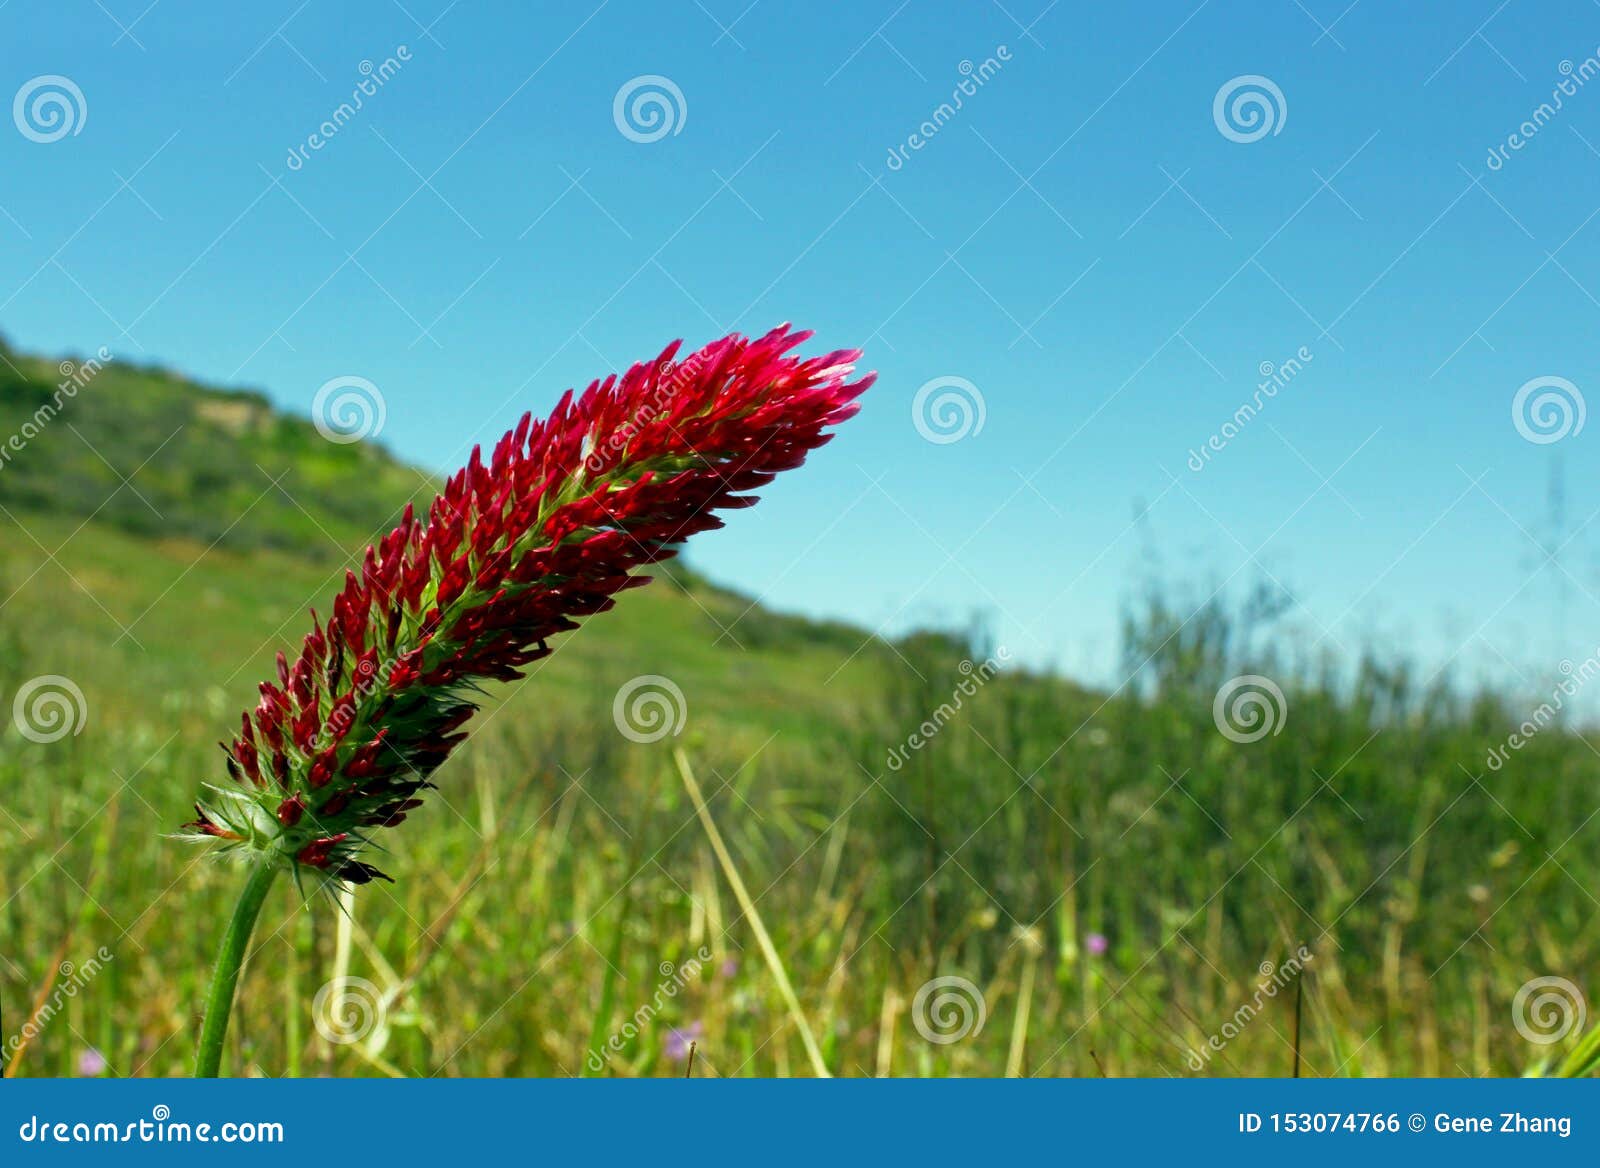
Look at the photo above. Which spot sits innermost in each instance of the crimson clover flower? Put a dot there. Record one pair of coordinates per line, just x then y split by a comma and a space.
515, 550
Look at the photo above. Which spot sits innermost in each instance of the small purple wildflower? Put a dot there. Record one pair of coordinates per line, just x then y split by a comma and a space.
677, 1048
729, 966
1096, 944
91, 1064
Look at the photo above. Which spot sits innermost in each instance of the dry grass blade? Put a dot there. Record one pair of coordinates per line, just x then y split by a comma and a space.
31, 1026
748, 906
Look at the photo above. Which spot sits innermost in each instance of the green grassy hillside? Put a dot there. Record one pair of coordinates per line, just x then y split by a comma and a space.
1111, 878
148, 452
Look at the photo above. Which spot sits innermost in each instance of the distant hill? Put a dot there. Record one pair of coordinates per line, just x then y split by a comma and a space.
152, 453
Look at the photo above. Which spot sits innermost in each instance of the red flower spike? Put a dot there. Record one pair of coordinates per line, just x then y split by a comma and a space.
547, 529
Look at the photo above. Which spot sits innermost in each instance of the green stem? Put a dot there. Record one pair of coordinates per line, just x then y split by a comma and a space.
235, 944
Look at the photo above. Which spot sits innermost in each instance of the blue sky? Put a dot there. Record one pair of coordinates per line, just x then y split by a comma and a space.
1081, 242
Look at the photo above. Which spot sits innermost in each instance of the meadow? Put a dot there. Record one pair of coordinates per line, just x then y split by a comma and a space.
957, 870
